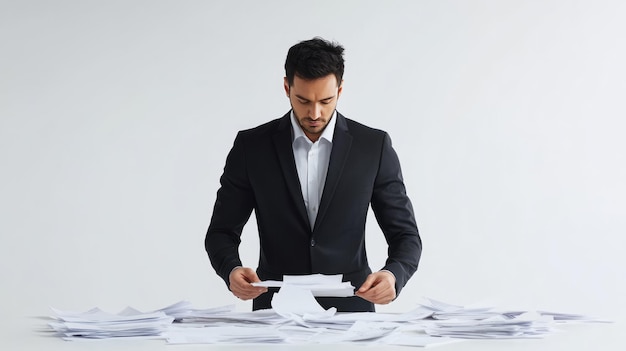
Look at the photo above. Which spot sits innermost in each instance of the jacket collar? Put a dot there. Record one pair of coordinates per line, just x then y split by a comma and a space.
342, 141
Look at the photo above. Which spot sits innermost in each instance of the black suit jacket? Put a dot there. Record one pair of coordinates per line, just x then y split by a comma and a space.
260, 174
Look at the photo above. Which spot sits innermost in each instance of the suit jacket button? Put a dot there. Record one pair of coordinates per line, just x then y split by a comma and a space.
312, 242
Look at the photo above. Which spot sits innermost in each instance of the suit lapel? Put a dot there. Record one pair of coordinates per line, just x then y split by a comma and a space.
342, 140
284, 150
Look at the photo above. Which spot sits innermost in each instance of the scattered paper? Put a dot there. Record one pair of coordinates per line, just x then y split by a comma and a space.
297, 318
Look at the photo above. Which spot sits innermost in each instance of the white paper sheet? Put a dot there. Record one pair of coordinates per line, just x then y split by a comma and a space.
319, 284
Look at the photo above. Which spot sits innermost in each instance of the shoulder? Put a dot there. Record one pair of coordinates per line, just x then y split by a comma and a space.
265, 128
360, 130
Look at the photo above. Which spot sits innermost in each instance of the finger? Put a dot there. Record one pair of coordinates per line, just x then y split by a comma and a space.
253, 290
372, 293
246, 294
382, 299
249, 275
241, 277
244, 284
388, 295
367, 284
380, 293
245, 273
240, 284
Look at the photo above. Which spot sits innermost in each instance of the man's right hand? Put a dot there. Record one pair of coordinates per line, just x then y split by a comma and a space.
239, 283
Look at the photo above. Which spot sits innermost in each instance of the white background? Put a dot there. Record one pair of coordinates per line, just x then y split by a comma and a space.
116, 118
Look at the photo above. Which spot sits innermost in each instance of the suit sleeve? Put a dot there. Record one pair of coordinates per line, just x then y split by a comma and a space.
233, 206
394, 213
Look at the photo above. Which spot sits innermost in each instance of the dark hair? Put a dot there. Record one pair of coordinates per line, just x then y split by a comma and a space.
315, 58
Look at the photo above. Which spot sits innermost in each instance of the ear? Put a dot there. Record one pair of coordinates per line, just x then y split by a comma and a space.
286, 85
340, 89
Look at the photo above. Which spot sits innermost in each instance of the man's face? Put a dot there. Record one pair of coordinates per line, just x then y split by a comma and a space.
313, 102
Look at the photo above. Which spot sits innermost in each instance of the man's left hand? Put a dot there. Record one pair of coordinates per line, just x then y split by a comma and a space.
378, 288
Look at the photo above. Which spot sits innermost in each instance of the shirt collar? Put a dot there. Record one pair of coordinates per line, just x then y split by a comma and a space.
327, 134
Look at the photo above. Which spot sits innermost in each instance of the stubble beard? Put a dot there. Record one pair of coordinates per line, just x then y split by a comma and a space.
311, 130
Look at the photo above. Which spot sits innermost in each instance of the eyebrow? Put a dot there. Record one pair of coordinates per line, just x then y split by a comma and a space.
305, 99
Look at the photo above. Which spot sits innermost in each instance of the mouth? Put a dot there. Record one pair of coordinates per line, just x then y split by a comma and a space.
314, 123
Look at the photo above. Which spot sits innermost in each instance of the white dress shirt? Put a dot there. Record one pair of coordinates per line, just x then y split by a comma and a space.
312, 160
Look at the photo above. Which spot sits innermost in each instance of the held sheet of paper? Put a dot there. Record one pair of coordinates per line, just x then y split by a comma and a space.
319, 284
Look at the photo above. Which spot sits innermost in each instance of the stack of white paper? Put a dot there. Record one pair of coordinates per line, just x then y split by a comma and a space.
228, 316
97, 324
177, 310
528, 325
483, 322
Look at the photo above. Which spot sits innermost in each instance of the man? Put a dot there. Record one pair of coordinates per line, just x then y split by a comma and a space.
310, 178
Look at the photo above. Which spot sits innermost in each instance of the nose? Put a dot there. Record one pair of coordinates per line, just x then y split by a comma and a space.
315, 112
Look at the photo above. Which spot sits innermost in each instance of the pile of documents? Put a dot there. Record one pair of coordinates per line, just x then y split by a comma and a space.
97, 324
482, 322
297, 318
